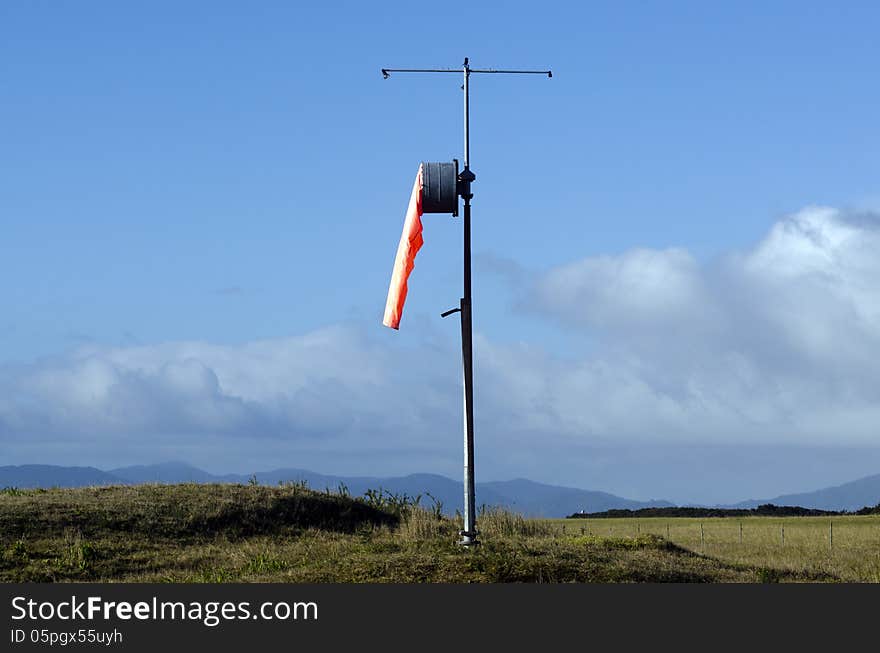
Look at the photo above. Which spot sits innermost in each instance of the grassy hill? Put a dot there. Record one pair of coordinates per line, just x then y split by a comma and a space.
221, 533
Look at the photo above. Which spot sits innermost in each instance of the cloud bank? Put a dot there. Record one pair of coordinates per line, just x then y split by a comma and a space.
773, 345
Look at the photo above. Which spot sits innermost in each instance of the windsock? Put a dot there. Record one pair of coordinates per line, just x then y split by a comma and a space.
410, 244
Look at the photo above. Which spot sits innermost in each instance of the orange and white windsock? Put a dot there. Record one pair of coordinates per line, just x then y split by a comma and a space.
410, 243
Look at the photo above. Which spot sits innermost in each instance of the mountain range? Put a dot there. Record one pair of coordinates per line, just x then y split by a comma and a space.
848, 496
522, 495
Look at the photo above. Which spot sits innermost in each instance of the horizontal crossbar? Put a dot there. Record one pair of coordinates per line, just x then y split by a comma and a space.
387, 71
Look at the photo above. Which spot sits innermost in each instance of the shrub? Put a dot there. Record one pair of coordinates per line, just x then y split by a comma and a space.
78, 553
391, 502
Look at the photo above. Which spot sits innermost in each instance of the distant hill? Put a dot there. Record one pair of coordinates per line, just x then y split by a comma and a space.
522, 495
849, 496
531, 498
163, 473
26, 476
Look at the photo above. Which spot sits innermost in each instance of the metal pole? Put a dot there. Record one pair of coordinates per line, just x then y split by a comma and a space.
467, 116
469, 533
831, 536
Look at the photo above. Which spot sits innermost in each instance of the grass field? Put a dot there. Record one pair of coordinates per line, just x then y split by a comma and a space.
224, 533
797, 544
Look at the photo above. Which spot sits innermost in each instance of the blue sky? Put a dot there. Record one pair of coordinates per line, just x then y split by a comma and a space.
234, 177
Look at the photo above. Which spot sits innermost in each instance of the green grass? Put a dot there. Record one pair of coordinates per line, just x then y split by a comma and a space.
231, 533
806, 548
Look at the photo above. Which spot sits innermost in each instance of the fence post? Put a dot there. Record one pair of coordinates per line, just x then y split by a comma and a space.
702, 539
667, 531
831, 536
740, 532
783, 535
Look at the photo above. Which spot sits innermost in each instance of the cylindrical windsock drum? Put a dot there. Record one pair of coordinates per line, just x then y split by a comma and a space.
440, 187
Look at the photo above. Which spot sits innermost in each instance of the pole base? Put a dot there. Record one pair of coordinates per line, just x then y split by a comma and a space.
468, 539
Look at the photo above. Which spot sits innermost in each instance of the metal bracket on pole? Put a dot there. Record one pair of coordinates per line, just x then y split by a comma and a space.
465, 178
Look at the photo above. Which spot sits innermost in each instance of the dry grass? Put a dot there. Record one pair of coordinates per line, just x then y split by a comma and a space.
499, 523
806, 548
224, 533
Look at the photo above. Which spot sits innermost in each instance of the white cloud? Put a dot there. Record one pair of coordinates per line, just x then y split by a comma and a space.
331, 383
637, 289
772, 345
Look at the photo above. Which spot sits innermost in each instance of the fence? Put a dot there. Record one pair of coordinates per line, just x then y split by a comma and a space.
847, 546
